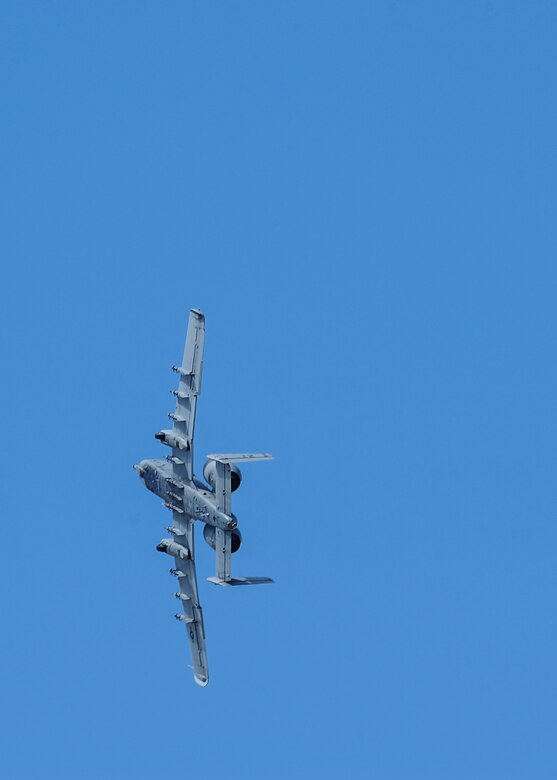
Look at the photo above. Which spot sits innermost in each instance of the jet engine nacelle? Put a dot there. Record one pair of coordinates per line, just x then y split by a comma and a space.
209, 536
209, 471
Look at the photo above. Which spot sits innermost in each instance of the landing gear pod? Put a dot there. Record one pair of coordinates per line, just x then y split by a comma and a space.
171, 547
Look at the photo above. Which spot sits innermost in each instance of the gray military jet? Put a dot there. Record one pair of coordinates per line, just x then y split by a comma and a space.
190, 499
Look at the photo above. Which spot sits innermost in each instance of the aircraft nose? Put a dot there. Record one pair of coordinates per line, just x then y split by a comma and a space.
138, 468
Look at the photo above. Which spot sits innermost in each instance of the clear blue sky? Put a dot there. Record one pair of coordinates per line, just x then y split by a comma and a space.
361, 197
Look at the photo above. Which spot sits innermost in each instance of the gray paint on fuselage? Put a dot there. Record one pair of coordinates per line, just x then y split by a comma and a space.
196, 500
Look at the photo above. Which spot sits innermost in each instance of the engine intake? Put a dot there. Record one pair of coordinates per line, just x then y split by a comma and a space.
209, 536
210, 470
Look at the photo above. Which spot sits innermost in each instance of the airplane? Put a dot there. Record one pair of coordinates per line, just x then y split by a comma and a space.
190, 500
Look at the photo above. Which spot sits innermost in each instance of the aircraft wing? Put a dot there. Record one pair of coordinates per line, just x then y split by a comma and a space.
189, 387
187, 593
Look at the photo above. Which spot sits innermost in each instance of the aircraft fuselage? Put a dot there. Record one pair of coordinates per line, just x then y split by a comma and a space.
192, 499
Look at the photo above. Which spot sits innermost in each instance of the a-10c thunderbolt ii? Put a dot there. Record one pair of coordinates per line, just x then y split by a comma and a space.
189, 499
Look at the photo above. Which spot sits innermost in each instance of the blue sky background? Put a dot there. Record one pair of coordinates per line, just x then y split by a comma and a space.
361, 197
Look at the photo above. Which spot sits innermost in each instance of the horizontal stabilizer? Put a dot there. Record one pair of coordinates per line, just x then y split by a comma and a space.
241, 457
240, 581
